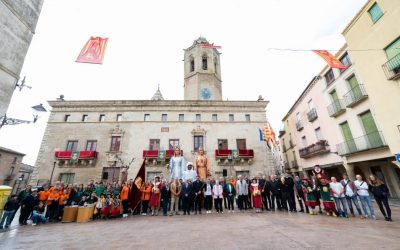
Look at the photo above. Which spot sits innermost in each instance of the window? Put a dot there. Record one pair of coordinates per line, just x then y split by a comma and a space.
91, 145
204, 63
231, 118
310, 105
102, 118
329, 77
151, 174
119, 117
375, 12
370, 129
198, 142
66, 118
115, 143
154, 144
164, 117
192, 65
173, 143
146, 117
241, 144
244, 174
345, 60
393, 50
214, 117
14, 160
304, 141
72, 145
198, 117
10, 171
181, 117
298, 117
222, 144
247, 117
318, 134
84, 118
67, 178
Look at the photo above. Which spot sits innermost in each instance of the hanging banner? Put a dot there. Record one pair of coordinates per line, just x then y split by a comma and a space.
210, 46
235, 155
161, 155
93, 51
330, 59
74, 157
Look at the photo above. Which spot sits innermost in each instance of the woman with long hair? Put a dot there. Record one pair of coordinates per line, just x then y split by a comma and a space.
381, 193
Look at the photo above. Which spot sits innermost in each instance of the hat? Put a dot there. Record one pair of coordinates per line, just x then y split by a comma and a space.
189, 164
254, 179
157, 177
34, 190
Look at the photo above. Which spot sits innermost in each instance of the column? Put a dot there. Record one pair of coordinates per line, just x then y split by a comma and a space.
350, 170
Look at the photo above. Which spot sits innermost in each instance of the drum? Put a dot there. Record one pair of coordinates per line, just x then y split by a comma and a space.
85, 214
70, 214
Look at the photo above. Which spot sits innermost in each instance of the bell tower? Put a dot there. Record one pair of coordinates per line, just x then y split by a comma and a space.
202, 72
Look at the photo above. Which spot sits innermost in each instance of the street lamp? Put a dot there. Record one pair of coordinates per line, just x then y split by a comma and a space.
37, 110
52, 172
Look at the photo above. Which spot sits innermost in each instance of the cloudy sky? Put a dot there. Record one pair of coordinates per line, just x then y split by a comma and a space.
146, 42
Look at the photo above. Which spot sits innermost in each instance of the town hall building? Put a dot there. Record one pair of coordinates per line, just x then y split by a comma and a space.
87, 140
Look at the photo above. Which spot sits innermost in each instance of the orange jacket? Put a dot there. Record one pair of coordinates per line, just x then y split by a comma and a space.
44, 195
53, 196
63, 198
146, 190
124, 193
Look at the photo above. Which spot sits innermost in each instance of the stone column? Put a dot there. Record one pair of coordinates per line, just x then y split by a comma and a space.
350, 170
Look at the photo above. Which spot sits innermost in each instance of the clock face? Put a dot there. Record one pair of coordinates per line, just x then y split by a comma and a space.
205, 94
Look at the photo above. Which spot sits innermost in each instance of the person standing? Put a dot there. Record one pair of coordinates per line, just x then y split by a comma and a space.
198, 196
177, 165
125, 199
229, 191
276, 195
255, 189
165, 194
203, 166
222, 182
21, 196
218, 196
309, 194
337, 190
381, 193
27, 206
155, 196
145, 189
242, 192
52, 204
291, 200
285, 189
176, 189
208, 196
350, 192
265, 193
187, 192
300, 194
329, 205
9, 209
363, 195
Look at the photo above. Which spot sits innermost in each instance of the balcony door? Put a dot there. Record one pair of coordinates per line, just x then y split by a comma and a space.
354, 88
371, 131
348, 137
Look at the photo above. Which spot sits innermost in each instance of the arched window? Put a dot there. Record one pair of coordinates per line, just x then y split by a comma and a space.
204, 62
191, 64
216, 65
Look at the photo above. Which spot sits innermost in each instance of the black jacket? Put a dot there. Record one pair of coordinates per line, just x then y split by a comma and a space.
197, 186
30, 201
381, 191
11, 205
274, 187
165, 193
187, 190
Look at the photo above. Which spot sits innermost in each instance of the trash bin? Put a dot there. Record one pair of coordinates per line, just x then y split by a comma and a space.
5, 191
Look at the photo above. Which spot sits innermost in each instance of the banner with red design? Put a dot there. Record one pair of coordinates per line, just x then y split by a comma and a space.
211, 46
93, 51
332, 61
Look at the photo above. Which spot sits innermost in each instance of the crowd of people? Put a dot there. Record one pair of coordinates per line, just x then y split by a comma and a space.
193, 195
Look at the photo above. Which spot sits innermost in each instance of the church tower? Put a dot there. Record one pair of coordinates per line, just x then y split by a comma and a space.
202, 72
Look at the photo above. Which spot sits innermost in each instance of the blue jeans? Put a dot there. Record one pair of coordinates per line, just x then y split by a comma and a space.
338, 201
366, 200
353, 199
37, 218
6, 218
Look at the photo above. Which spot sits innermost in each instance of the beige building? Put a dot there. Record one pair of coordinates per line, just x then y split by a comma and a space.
10, 162
86, 139
17, 24
362, 100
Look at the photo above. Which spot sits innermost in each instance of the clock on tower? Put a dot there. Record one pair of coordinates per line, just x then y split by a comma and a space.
205, 94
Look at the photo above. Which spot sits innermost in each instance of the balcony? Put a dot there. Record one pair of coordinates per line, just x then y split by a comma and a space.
366, 142
336, 108
299, 125
294, 164
158, 156
312, 115
281, 133
392, 68
80, 158
355, 96
225, 157
320, 147
287, 167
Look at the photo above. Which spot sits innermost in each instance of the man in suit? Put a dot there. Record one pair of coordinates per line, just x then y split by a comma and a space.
242, 192
265, 193
176, 189
276, 194
198, 194
187, 192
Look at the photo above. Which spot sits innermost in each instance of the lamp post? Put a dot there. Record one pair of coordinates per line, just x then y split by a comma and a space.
37, 110
52, 172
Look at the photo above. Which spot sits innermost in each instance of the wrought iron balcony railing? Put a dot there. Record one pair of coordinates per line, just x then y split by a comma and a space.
312, 115
294, 164
336, 108
355, 96
392, 68
363, 143
320, 147
299, 125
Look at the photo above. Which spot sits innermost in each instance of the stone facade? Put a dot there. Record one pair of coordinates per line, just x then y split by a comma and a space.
10, 162
142, 128
17, 24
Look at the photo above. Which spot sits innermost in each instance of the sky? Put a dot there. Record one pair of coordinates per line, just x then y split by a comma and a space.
145, 48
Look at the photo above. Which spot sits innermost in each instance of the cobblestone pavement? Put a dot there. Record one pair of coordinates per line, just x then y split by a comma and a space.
269, 230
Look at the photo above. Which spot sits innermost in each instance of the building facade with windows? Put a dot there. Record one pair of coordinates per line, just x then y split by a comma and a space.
10, 163
96, 139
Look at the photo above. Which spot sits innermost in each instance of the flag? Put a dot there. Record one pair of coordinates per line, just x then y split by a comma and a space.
74, 157
261, 135
268, 135
211, 46
93, 51
235, 155
161, 155
330, 59
134, 192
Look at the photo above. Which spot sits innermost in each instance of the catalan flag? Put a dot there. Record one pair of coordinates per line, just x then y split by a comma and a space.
267, 134
332, 61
